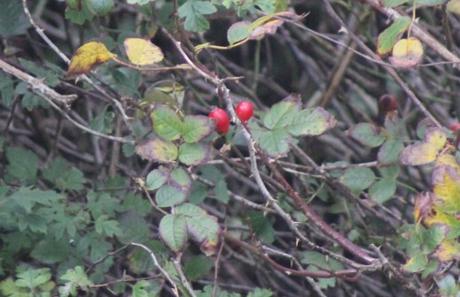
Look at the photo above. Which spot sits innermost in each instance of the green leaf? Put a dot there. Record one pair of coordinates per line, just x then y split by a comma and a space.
103, 122
79, 16
198, 193
416, 263
358, 179
173, 231
388, 38
146, 288
157, 150
267, 6
389, 151
74, 279
107, 227
28, 198
195, 128
202, 227
273, 142
22, 164
194, 153
50, 251
448, 287
317, 261
156, 178
197, 267
180, 177
382, 190
33, 278
281, 114
391, 172
134, 218
51, 76
193, 11
367, 134
93, 245
168, 196
102, 203
394, 3
221, 191
13, 20
6, 89
238, 32
311, 122
261, 226
126, 81
166, 123
430, 2
260, 293
100, 7
63, 175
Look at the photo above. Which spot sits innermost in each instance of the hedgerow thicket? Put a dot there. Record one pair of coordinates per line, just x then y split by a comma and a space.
230, 148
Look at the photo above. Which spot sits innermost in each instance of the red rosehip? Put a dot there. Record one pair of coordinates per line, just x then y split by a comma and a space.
221, 119
454, 126
244, 110
388, 103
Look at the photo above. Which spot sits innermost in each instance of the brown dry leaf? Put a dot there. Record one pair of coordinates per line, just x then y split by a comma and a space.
87, 57
269, 27
142, 52
407, 53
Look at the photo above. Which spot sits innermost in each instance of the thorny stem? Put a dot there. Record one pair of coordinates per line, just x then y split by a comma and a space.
224, 93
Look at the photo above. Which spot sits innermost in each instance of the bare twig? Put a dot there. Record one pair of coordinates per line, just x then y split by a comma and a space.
182, 276
224, 93
37, 84
53, 46
158, 266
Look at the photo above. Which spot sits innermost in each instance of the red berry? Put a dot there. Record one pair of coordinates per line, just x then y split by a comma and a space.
244, 110
221, 119
388, 103
454, 127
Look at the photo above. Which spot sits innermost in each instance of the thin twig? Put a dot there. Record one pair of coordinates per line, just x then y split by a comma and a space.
53, 46
51, 96
158, 266
182, 276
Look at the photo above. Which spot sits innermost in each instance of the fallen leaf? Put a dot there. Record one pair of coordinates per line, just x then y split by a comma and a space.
142, 52
87, 57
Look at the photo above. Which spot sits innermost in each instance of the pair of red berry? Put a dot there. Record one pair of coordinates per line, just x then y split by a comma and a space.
244, 111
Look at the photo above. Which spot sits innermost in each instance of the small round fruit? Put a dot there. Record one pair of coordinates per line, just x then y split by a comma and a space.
244, 110
388, 103
221, 119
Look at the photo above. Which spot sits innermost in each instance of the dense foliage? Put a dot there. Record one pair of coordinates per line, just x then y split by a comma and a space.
229, 148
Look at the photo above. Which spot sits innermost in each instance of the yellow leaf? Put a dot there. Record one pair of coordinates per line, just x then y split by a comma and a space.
425, 152
446, 181
439, 218
448, 250
407, 53
448, 160
419, 154
453, 6
436, 138
88, 56
142, 52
